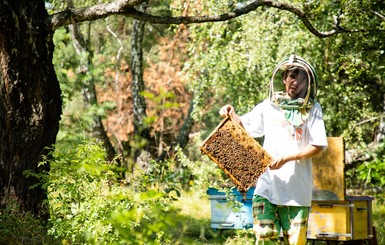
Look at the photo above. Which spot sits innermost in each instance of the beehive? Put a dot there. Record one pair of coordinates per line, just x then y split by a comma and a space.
239, 155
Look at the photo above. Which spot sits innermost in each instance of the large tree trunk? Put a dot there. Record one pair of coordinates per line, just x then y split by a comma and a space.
30, 105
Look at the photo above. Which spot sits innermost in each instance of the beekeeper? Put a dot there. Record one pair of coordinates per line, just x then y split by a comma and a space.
293, 128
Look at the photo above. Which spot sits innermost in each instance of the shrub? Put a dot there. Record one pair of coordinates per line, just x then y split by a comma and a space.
89, 202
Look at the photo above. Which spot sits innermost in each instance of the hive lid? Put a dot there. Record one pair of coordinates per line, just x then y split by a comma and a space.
214, 192
239, 155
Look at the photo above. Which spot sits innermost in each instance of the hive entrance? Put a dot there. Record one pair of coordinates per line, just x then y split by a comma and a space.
236, 153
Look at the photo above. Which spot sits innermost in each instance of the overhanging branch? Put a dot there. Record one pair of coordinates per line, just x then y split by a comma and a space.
126, 8
302, 16
94, 12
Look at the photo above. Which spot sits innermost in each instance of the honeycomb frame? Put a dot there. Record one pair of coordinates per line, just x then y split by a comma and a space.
240, 156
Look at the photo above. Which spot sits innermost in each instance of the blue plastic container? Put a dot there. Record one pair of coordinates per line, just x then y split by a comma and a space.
232, 211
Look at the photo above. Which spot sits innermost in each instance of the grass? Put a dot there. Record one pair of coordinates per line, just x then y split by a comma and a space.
379, 221
195, 217
16, 228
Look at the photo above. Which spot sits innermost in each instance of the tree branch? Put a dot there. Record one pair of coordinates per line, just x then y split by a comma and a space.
378, 15
302, 16
126, 8
94, 12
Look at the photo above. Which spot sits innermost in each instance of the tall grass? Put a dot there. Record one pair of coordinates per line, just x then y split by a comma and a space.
18, 228
379, 221
194, 208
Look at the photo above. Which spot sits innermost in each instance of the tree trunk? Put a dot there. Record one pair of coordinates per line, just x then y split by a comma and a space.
30, 105
141, 129
381, 128
183, 135
88, 87
185, 130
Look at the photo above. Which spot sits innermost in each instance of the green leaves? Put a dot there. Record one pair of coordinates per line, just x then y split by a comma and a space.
90, 201
146, 221
370, 175
81, 191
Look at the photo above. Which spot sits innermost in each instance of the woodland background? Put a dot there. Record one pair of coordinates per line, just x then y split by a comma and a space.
115, 178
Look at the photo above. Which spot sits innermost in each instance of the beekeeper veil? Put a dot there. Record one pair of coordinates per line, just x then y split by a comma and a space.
296, 110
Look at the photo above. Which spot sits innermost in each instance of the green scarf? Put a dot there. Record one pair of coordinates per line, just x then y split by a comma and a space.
293, 112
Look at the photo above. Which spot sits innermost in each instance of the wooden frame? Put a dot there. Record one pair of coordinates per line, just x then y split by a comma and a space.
239, 155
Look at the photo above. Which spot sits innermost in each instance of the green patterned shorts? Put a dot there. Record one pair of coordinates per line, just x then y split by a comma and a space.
269, 219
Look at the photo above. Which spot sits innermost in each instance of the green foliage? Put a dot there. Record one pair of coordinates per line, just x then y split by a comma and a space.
147, 221
163, 101
369, 177
234, 60
373, 173
80, 197
64, 60
379, 220
355, 78
231, 62
199, 173
19, 228
355, 68
90, 202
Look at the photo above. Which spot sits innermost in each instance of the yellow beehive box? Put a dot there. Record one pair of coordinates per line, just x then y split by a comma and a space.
239, 155
341, 220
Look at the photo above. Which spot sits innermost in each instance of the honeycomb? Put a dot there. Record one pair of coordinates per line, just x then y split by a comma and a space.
236, 153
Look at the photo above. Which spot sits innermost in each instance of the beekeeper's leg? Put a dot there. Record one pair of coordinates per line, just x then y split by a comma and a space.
294, 224
266, 223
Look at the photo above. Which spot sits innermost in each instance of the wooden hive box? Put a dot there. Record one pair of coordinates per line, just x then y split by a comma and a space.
350, 219
239, 155
334, 215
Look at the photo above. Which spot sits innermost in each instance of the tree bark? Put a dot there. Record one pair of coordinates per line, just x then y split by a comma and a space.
30, 105
139, 103
141, 128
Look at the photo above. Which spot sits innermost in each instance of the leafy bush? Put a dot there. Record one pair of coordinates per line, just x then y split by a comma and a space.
369, 176
90, 202
200, 172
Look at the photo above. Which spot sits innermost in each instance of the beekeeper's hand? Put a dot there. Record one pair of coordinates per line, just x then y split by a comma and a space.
278, 163
227, 110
